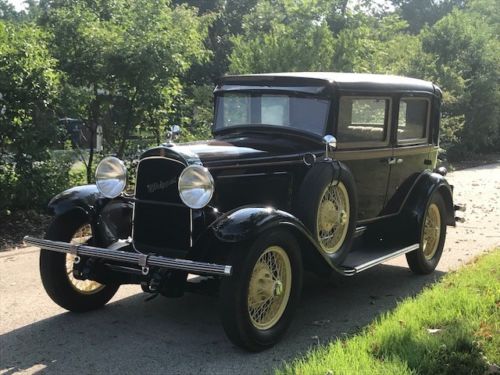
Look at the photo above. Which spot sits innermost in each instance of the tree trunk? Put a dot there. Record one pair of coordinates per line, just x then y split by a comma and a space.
94, 118
128, 126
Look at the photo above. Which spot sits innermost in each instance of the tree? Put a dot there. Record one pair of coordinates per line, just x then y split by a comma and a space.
7, 11
227, 17
29, 85
283, 35
125, 59
467, 65
419, 13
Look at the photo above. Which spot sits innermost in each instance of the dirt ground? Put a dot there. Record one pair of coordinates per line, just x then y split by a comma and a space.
184, 336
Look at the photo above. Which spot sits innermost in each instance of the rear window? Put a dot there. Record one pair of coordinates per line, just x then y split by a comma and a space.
412, 120
362, 120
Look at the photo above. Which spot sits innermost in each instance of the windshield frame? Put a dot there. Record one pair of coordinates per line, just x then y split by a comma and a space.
270, 127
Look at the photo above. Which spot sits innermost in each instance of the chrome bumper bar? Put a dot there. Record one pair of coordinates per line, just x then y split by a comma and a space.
142, 260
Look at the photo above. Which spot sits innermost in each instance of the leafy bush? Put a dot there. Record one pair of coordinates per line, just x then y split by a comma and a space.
31, 184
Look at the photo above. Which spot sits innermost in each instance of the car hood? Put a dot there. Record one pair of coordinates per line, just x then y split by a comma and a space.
241, 149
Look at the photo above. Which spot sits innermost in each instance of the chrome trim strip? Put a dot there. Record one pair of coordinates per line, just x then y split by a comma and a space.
222, 177
258, 161
133, 200
132, 258
251, 165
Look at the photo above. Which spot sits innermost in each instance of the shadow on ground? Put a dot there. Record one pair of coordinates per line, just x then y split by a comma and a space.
185, 335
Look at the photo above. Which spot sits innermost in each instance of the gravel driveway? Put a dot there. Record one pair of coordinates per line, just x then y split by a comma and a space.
184, 336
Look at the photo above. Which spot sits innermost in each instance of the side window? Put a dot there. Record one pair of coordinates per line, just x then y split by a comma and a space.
363, 120
412, 119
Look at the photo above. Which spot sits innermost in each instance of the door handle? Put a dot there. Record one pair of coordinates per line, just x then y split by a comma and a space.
392, 161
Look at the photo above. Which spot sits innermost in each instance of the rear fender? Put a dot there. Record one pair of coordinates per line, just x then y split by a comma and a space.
415, 206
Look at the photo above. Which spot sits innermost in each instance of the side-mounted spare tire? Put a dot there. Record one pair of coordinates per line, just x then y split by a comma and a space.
327, 204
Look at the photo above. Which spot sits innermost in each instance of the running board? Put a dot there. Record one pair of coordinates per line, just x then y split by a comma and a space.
364, 258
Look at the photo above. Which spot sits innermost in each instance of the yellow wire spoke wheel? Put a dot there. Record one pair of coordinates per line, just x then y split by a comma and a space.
431, 231
269, 288
82, 235
333, 217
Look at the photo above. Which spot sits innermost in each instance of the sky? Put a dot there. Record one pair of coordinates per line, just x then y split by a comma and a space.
18, 4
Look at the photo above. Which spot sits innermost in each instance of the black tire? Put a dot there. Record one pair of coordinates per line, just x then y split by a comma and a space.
234, 292
53, 272
310, 195
417, 261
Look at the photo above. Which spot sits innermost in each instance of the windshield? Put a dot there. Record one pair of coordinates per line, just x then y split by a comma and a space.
301, 113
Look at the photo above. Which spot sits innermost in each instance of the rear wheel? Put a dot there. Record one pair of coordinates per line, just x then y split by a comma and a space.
258, 301
56, 270
432, 238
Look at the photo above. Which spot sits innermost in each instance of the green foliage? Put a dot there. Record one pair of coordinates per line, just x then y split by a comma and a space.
29, 84
420, 13
283, 35
467, 66
135, 68
7, 11
124, 64
31, 184
449, 328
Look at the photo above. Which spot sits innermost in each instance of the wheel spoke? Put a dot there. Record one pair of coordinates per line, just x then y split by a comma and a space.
333, 216
431, 231
81, 236
269, 287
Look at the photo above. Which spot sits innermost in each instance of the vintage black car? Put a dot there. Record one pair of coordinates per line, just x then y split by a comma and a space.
326, 172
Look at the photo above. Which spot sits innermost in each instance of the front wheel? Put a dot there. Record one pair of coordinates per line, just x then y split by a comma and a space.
258, 301
56, 270
432, 238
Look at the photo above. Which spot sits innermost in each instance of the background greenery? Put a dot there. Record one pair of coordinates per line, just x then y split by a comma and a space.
136, 67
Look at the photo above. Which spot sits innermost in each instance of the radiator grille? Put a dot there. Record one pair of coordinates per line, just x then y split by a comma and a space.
162, 223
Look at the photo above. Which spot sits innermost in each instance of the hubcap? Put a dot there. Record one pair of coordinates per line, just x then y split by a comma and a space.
333, 217
431, 231
269, 288
81, 236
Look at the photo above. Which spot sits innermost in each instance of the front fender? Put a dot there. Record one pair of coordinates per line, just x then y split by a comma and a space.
111, 220
247, 223
84, 198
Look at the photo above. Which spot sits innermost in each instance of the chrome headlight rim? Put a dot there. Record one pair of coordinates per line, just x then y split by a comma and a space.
209, 186
116, 181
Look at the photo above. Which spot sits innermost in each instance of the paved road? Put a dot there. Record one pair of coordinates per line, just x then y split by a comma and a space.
184, 336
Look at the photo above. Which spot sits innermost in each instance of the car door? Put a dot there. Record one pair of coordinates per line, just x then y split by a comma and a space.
363, 135
412, 148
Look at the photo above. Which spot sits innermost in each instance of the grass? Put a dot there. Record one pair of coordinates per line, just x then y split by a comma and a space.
452, 327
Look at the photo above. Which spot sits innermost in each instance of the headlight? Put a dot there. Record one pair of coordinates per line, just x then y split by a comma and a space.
111, 177
196, 186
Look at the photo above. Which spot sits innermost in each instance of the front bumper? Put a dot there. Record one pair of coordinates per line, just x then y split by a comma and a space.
143, 260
